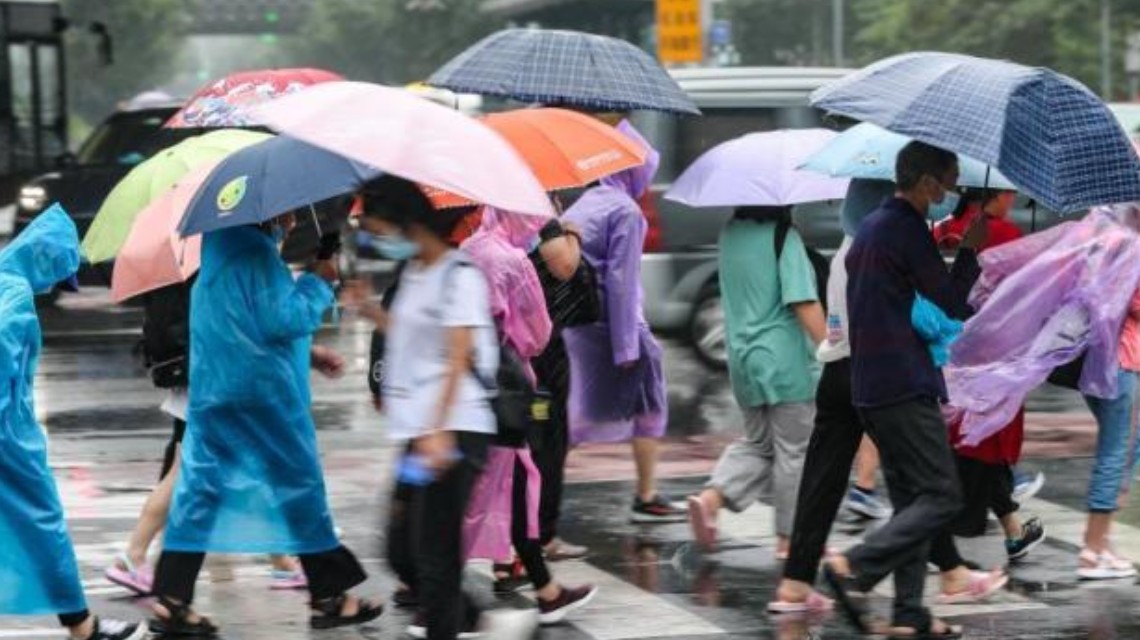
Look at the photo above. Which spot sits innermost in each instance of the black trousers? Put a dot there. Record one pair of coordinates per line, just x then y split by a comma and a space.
529, 550
425, 539
923, 482
827, 467
549, 447
172, 448
330, 573
74, 619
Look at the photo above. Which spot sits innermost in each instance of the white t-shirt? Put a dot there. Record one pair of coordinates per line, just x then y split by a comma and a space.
428, 302
835, 346
177, 403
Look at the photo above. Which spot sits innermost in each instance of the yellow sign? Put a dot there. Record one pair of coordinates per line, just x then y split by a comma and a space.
679, 32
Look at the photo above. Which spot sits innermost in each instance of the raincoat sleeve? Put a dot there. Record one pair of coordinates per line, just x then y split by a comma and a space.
936, 328
16, 310
622, 283
949, 291
284, 309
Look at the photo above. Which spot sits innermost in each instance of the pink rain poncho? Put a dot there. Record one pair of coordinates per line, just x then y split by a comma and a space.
1043, 301
519, 310
617, 382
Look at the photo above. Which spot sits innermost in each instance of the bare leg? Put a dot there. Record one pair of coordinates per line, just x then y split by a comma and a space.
1096, 531
152, 520
83, 629
866, 464
1011, 524
645, 457
284, 563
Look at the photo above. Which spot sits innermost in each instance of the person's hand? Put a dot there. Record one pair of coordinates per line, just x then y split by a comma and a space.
438, 450
976, 235
562, 256
327, 270
328, 362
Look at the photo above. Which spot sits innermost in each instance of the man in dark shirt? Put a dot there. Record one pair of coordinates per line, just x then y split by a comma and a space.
897, 388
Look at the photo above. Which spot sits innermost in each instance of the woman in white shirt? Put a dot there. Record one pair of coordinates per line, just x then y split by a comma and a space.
439, 333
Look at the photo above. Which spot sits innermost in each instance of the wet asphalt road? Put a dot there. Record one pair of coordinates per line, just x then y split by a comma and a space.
107, 437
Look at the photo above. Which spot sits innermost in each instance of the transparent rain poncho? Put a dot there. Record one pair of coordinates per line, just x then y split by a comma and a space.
38, 571
1042, 302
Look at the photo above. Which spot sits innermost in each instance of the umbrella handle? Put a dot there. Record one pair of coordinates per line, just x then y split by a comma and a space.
316, 220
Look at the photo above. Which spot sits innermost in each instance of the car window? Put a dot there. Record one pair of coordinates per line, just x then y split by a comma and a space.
125, 139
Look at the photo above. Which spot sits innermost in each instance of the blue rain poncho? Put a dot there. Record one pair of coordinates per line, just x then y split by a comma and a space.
251, 479
38, 572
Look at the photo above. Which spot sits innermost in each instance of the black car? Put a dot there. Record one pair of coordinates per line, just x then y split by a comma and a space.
85, 178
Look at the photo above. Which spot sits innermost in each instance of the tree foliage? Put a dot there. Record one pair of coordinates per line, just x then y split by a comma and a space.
147, 36
391, 41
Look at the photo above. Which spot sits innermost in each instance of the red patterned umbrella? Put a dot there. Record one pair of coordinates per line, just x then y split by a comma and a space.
228, 102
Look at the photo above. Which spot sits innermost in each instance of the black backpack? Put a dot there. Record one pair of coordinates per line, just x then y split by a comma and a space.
819, 262
166, 335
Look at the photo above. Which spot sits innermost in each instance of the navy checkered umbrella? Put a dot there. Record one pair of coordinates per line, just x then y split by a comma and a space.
564, 68
1046, 132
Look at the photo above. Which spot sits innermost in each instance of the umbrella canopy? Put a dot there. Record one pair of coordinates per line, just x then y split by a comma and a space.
415, 139
227, 102
269, 179
1046, 132
869, 151
564, 149
759, 169
154, 254
150, 180
564, 68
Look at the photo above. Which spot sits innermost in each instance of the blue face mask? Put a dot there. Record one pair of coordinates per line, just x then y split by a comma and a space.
945, 208
279, 234
391, 246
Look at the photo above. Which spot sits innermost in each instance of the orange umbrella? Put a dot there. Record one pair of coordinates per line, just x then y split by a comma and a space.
564, 149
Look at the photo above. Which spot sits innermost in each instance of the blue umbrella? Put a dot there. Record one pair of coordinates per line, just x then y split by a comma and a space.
1046, 132
566, 68
869, 151
268, 179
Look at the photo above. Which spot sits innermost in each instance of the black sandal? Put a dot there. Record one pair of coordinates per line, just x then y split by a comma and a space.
331, 617
926, 632
178, 624
850, 600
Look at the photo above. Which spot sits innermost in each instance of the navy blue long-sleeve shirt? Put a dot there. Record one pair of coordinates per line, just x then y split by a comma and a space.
892, 259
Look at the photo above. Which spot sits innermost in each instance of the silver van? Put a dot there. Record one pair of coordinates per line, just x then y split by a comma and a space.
679, 269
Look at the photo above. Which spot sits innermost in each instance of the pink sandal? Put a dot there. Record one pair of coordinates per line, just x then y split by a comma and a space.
982, 585
139, 579
702, 523
815, 603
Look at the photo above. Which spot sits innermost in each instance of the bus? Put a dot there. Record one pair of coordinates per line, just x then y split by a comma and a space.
33, 92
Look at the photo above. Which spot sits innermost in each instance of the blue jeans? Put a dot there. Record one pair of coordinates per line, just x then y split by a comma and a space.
1116, 446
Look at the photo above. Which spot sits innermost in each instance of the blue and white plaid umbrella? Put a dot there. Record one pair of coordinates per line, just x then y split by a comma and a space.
869, 151
1045, 131
564, 68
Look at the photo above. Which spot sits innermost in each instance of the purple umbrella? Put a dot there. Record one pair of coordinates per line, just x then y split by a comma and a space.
759, 169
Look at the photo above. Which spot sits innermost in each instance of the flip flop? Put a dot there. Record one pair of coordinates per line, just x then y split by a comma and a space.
982, 585
851, 603
951, 632
702, 523
137, 579
816, 602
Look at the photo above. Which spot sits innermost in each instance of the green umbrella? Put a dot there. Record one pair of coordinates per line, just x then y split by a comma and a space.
150, 180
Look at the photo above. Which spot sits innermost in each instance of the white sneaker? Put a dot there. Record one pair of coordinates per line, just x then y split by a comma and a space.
1104, 566
511, 624
1025, 486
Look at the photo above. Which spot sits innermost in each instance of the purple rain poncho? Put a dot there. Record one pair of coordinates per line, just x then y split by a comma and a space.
1043, 301
617, 381
519, 310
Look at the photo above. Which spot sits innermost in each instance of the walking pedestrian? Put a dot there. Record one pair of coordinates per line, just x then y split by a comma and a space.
897, 388
440, 341
773, 323
617, 381
38, 569
511, 479
166, 346
251, 479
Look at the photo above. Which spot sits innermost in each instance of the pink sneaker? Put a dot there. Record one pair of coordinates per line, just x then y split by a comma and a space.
124, 573
288, 580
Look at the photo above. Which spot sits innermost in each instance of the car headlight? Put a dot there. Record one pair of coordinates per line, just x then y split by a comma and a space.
32, 198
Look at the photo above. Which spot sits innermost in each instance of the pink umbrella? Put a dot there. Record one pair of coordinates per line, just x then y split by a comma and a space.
400, 133
154, 254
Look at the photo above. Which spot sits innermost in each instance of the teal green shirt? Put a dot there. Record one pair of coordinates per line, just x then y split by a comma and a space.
770, 358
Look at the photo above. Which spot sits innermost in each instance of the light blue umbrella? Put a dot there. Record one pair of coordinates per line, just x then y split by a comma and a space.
869, 151
1046, 132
